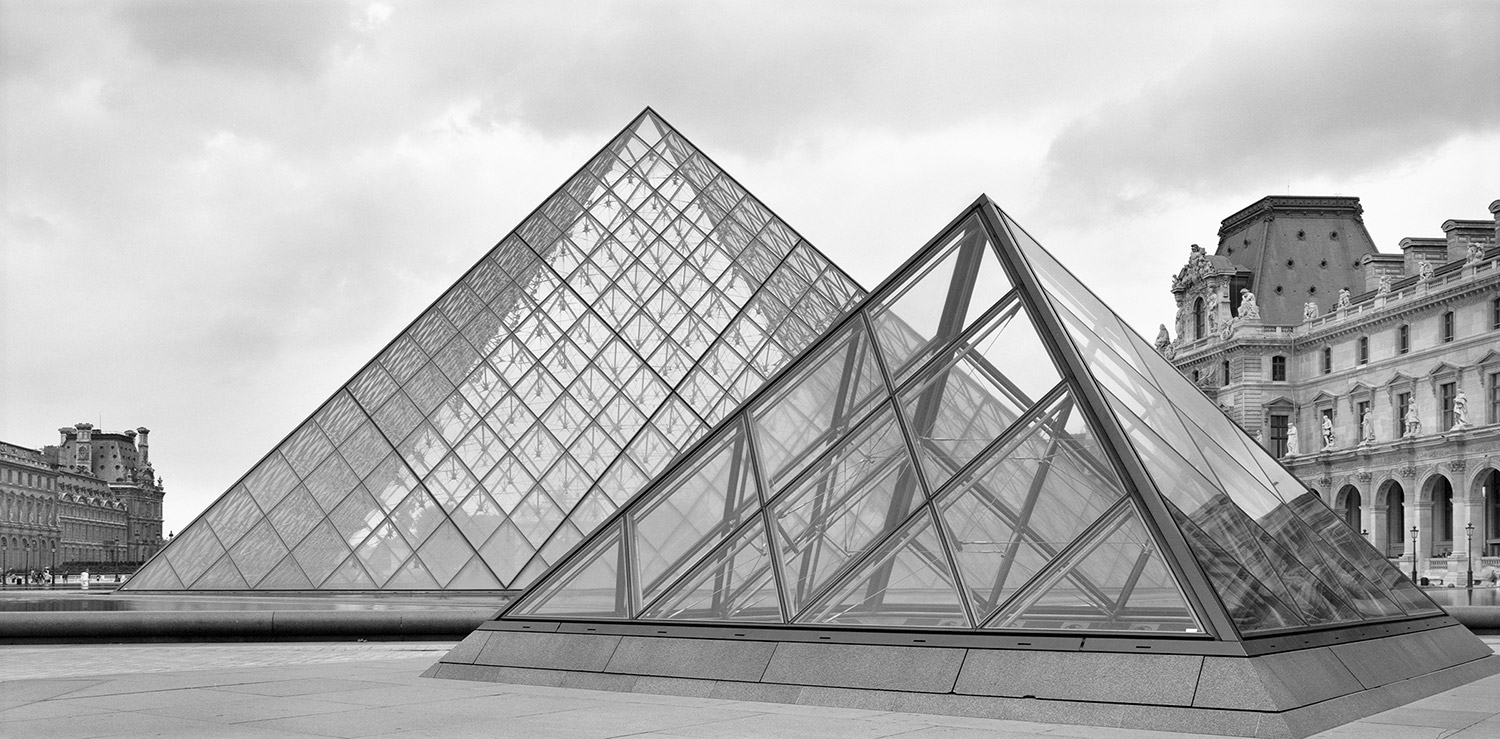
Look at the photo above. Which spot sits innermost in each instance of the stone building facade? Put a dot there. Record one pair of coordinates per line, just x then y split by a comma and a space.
94, 497
1375, 376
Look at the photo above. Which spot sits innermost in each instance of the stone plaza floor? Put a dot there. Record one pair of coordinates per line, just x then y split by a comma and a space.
368, 689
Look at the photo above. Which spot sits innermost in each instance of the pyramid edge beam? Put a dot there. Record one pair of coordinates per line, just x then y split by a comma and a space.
1189, 573
536, 211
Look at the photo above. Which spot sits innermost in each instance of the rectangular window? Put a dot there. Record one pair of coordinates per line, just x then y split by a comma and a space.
1225, 369
1327, 360
1403, 339
1278, 369
1446, 392
1278, 435
1495, 313
1403, 406
1495, 403
1364, 350
1449, 330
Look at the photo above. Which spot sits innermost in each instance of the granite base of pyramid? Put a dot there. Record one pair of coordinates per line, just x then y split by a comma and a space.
1271, 688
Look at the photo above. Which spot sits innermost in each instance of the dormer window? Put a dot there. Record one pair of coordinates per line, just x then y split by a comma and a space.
1302, 236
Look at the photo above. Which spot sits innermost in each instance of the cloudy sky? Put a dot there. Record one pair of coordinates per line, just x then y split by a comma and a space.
215, 212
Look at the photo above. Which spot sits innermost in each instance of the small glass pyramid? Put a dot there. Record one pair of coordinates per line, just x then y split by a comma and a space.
980, 446
638, 306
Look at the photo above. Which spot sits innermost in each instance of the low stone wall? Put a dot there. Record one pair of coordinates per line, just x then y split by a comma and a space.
33, 627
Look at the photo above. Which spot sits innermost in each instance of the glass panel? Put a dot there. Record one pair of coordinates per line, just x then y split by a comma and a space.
734, 583
339, 416
320, 552
506, 552
411, 576
1376, 568
193, 551
474, 576
382, 553
851, 499
957, 409
816, 405
270, 480
222, 576
306, 448
286, 576
1251, 605
444, 553
331, 482
959, 283
906, 583
349, 576
693, 512
1113, 580
156, 575
417, 516
296, 515
1034, 495
233, 515
588, 587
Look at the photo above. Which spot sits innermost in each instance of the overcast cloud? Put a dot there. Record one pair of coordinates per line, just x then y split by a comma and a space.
215, 212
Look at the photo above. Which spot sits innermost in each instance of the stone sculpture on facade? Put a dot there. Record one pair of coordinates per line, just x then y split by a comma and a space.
1291, 440
1164, 342
1367, 430
1249, 309
1327, 432
1475, 254
1384, 287
1424, 272
1345, 300
1413, 424
1460, 412
1309, 310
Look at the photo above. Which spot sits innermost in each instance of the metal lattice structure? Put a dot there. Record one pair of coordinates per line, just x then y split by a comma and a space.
982, 446
637, 306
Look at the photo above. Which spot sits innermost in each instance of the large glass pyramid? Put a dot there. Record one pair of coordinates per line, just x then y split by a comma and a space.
982, 446
639, 305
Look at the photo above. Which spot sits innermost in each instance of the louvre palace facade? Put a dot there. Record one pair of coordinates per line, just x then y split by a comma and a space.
1375, 377
92, 498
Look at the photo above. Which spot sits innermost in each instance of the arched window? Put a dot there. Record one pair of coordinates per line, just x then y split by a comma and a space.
1395, 520
1198, 319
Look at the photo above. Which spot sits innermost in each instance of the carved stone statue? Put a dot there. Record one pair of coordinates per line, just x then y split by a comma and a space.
1475, 255
1367, 430
1309, 310
1460, 412
1345, 300
1198, 262
1424, 272
1226, 329
1384, 286
1249, 309
1163, 339
1328, 432
1413, 424
1291, 440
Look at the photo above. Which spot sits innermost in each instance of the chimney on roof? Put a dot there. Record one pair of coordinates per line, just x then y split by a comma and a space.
1461, 234
143, 457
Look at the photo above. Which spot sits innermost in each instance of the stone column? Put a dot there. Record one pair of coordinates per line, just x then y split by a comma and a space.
1423, 511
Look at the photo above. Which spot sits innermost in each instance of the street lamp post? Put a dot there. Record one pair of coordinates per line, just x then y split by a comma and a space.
4, 565
52, 568
1469, 550
1414, 554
